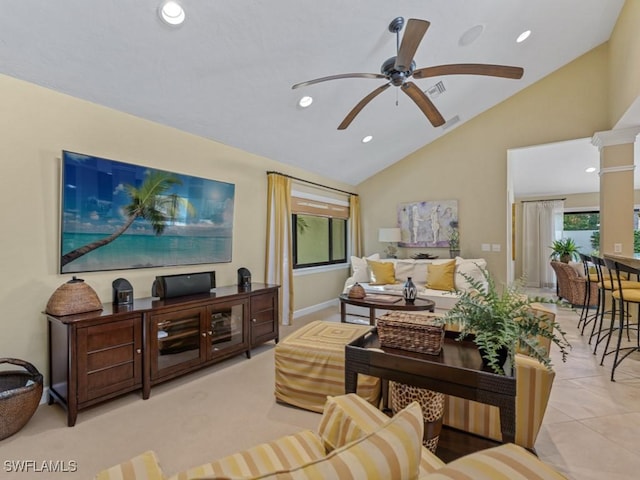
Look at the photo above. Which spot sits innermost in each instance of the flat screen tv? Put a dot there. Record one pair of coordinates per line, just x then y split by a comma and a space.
118, 216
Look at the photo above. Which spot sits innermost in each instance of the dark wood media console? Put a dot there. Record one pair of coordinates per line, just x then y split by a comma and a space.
99, 355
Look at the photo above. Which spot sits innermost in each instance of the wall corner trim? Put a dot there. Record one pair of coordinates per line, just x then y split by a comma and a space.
615, 137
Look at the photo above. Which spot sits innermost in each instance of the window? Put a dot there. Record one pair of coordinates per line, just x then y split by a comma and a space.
320, 233
584, 229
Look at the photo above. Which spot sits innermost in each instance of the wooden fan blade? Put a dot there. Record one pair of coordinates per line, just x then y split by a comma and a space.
361, 104
503, 71
412, 37
423, 102
337, 77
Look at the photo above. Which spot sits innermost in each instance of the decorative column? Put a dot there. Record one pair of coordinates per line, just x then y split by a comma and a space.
616, 189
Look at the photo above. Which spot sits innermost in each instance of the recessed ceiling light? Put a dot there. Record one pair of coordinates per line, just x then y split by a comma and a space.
367, 139
590, 169
305, 101
523, 36
172, 13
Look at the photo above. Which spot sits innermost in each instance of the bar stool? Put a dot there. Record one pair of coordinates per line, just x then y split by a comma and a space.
624, 294
605, 284
592, 280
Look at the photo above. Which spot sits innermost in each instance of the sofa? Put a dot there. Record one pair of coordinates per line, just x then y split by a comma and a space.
436, 279
354, 441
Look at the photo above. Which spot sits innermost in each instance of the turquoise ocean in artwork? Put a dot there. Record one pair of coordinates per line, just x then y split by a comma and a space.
97, 196
144, 251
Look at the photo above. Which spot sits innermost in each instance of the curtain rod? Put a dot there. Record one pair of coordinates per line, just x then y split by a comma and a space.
311, 183
542, 200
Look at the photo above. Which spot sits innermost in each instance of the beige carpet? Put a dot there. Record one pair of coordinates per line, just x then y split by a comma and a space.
188, 421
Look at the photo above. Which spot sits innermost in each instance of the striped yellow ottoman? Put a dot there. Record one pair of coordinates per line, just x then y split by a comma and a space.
310, 365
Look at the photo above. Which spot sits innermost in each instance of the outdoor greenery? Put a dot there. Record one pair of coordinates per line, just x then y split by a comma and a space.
582, 221
506, 318
595, 241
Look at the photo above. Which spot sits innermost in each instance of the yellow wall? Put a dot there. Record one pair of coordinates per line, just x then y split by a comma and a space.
37, 124
624, 72
470, 163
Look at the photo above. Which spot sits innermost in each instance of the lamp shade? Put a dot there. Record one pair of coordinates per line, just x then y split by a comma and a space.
389, 235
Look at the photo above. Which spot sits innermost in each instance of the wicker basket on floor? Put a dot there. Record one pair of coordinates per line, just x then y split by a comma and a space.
409, 331
20, 393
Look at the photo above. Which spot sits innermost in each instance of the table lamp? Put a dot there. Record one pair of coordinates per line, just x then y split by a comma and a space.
391, 236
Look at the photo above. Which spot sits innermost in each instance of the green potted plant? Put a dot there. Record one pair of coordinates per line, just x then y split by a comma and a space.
564, 250
454, 239
504, 322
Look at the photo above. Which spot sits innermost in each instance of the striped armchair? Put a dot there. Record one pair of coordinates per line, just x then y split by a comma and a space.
354, 441
533, 387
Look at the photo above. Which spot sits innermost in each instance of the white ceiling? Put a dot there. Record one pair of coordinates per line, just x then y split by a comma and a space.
226, 73
555, 168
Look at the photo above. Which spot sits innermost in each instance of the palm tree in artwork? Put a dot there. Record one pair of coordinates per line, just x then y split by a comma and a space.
150, 202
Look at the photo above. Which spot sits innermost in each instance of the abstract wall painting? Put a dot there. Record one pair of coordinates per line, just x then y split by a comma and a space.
427, 224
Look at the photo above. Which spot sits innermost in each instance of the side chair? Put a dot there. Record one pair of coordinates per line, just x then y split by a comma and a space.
625, 293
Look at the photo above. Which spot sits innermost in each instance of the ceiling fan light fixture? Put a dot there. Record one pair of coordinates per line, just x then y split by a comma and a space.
523, 36
305, 101
367, 138
171, 13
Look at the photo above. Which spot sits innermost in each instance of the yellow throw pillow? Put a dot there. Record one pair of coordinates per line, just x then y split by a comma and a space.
381, 273
440, 276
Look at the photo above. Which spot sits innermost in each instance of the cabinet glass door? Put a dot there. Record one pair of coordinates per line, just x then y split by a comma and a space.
178, 340
226, 326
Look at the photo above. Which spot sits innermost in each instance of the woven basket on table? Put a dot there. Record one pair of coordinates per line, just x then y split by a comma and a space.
408, 331
20, 393
73, 297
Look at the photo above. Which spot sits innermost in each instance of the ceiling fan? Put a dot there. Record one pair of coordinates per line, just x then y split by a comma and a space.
399, 69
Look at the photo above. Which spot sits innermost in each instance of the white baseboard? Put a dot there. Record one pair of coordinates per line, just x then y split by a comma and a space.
315, 308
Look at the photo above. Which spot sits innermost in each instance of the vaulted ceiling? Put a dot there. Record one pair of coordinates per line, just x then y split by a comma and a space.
226, 73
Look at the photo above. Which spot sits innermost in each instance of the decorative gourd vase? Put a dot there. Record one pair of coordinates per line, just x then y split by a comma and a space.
410, 292
357, 291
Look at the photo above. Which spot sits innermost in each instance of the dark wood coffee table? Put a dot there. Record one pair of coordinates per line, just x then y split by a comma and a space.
456, 371
373, 302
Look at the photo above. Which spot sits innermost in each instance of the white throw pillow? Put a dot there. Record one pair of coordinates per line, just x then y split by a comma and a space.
420, 271
578, 267
404, 270
471, 267
359, 267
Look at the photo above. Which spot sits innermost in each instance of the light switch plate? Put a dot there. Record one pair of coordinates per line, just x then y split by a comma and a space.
486, 247
617, 248
496, 247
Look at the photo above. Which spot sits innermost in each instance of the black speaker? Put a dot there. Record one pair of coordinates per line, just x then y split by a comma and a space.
169, 286
244, 277
122, 291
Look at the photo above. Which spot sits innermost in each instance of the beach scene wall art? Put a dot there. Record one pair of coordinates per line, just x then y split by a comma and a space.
117, 215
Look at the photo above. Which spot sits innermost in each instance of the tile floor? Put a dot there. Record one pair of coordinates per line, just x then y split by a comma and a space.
591, 429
